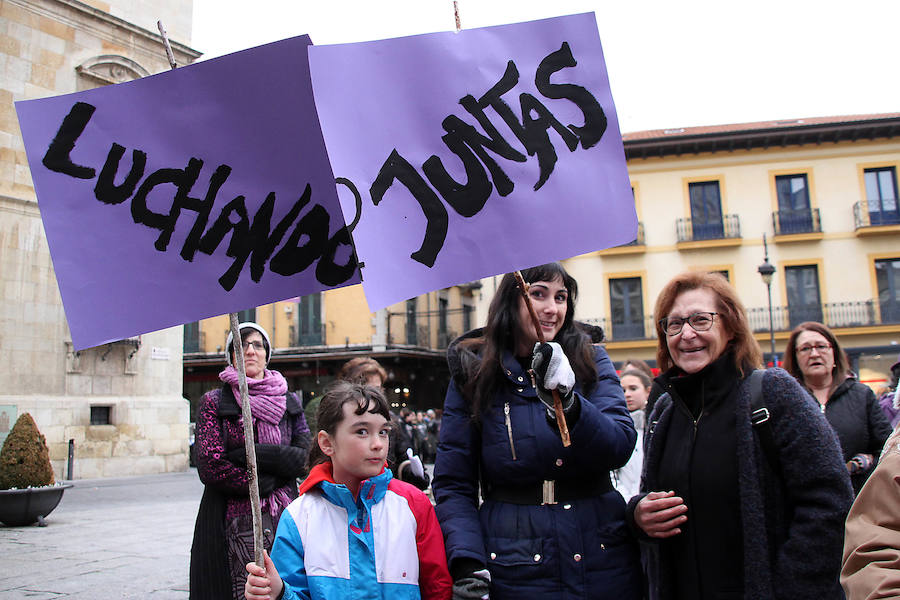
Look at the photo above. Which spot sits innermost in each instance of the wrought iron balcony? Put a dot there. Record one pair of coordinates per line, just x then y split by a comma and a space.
787, 222
863, 313
873, 214
690, 231
636, 329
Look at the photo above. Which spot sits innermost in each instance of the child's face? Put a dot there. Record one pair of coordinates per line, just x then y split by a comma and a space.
635, 392
358, 447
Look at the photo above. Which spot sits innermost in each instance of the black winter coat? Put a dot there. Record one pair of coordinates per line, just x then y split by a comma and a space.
792, 521
572, 550
856, 417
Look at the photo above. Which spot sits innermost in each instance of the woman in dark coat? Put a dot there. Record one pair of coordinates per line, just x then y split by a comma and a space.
814, 356
551, 524
737, 501
223, 534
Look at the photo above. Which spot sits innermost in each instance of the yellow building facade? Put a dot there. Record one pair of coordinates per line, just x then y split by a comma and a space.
822, 191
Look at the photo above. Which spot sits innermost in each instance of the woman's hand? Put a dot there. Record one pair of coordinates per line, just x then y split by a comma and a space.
263, 583
860, 463
659, 514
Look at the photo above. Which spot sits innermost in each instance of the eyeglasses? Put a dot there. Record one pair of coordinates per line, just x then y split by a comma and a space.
699, 321
820, 348
258, 346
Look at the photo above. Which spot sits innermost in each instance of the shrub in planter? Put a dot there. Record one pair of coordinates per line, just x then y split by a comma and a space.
24, 459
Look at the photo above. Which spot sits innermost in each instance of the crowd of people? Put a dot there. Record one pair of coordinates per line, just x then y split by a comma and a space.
555, 474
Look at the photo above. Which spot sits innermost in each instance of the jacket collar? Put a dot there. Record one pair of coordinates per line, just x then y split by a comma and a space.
371, 490
842, 387
705, 387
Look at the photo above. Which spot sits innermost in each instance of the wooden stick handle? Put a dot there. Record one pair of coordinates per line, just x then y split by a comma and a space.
557, 402
249, 444
165, 39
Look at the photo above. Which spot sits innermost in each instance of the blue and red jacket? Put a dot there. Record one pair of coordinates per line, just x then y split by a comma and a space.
385, 544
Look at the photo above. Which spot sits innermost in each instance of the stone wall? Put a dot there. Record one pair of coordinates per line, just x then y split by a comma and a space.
51, 47
148, 434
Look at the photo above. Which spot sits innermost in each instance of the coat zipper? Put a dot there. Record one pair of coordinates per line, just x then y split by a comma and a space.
512, 446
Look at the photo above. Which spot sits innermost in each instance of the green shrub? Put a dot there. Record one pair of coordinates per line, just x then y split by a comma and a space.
24, 459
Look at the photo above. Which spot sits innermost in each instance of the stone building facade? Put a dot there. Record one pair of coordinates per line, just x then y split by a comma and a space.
120, 404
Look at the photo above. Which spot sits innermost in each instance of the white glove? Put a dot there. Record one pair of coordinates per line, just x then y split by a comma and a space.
415, 464
557, 373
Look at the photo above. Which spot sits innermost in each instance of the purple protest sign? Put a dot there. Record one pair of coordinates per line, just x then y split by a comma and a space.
157, 193
473, 153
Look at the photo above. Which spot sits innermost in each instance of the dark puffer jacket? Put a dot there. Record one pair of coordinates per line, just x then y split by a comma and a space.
792, 521
859, 422
570, 550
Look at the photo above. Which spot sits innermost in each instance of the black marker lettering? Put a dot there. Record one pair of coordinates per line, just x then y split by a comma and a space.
106, 190
183, 179
247, 239
478, 143
468, 198
223, 224
493, 99
537, 141
294, 257
436, 219
594, 118
328, 272
58, 154
202, 207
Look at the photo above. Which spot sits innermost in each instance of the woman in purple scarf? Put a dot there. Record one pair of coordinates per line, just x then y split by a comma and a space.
223, 534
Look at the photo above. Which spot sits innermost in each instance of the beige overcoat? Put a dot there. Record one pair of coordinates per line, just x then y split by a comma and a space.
871, 565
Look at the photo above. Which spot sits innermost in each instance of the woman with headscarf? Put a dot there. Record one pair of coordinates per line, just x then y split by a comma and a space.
223, 534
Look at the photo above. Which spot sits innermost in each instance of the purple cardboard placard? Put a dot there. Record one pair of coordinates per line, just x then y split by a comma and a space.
125, 174
474, 153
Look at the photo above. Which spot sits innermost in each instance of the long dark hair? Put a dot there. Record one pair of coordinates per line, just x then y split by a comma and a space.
483, 377
331, 410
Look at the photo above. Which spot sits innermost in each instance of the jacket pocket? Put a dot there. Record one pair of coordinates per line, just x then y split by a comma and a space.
510, 552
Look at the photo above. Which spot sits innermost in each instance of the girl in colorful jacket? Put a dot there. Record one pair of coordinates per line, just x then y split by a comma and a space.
354, 532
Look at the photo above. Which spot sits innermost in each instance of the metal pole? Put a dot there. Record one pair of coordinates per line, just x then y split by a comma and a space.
71, 462
772, 327
766, 271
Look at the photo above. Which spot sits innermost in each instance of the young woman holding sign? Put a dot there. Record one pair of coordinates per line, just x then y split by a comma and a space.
223, 534
550, 522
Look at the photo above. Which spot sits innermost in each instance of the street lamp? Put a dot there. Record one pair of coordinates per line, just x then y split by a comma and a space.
766, 271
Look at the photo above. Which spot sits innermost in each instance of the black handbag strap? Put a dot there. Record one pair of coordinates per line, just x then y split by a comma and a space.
761, 418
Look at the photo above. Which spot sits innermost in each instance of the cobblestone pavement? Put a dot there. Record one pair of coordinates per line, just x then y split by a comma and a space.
124, 537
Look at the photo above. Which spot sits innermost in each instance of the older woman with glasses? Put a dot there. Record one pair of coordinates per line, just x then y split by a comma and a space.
743, 491
814, 356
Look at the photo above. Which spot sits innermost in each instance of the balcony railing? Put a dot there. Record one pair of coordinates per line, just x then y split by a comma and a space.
864, 313
644, 329
689, 231
787, 222
872, 214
